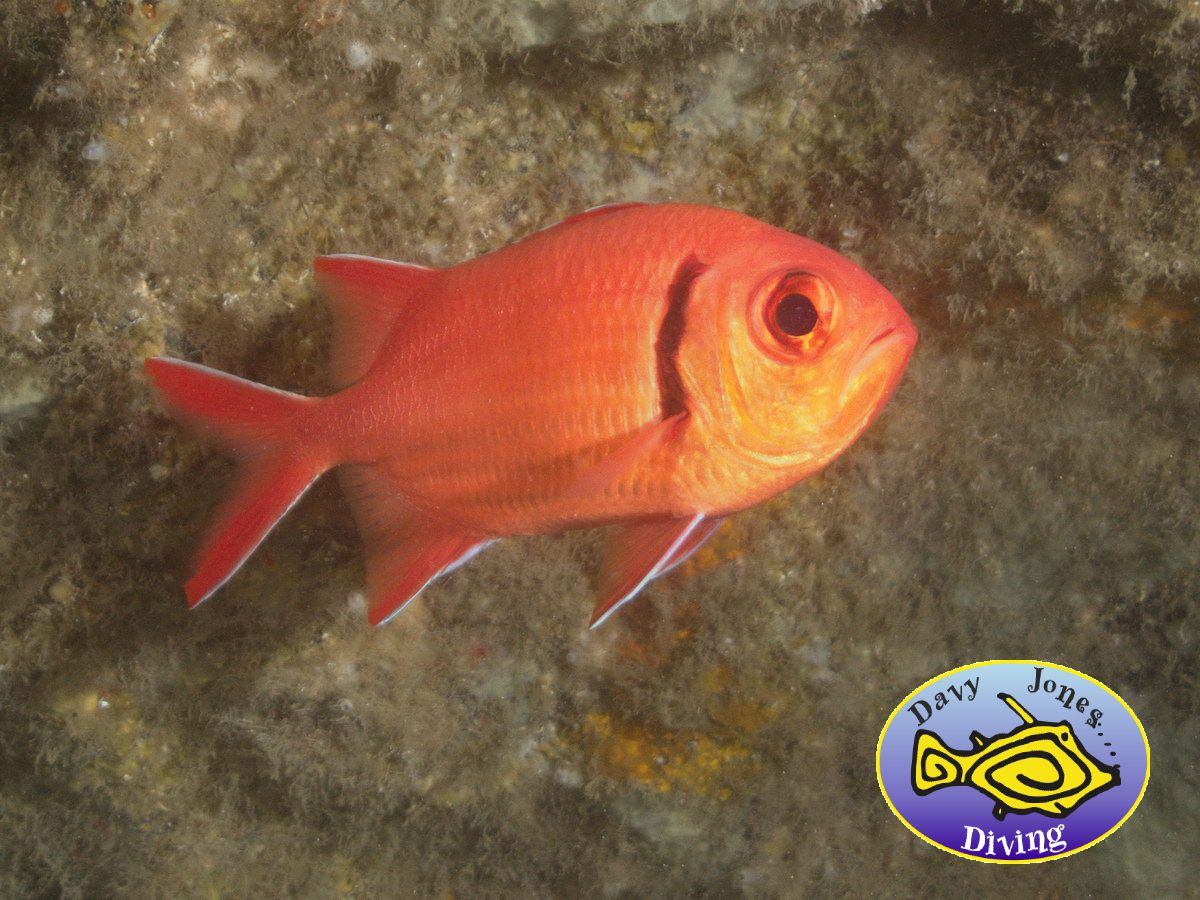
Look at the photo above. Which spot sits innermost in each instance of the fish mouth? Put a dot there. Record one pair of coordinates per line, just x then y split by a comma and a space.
883, 345
882, 336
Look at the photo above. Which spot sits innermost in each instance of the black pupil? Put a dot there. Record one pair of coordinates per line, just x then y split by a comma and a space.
796, 315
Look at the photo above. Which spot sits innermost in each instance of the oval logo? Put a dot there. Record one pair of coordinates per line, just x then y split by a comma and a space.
1013, 761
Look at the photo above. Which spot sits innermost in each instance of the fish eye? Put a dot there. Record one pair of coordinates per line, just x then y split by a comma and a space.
796, 315
795, 319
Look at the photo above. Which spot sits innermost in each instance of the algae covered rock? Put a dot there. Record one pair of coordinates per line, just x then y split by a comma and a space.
1023, 176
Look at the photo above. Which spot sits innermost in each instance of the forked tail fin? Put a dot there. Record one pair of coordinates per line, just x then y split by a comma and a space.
934, 764
261, 428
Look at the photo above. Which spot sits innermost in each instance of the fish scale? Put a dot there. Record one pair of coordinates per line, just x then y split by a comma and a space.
629, 365
597, 386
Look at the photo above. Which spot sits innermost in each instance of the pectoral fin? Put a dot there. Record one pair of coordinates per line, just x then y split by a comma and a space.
699, 535
630, 450
640, 552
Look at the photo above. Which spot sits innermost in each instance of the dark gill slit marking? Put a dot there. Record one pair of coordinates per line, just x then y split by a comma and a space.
672, 397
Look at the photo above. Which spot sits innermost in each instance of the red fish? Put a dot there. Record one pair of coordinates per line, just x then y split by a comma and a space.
658, 367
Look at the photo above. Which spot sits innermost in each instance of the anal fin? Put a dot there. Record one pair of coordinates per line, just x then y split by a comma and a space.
406, 548
396, 576
640, 552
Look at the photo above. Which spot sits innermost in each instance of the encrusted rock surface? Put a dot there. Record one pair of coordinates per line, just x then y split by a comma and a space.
1023, 175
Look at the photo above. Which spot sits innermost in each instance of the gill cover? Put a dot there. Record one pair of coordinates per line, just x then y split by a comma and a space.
777, 324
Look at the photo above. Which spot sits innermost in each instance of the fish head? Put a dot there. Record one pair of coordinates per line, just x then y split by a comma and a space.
1097, 775
796, 350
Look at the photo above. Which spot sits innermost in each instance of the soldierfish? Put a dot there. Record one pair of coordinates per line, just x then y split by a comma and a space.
658, 367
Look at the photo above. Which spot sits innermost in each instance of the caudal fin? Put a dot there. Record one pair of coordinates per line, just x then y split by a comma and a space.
257, 425
934, 764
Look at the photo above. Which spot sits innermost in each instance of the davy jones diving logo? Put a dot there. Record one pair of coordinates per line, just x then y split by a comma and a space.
1013, 761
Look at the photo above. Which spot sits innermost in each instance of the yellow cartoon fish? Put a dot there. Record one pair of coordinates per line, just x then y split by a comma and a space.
1036, 767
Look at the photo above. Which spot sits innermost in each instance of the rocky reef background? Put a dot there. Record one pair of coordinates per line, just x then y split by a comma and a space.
1025, 176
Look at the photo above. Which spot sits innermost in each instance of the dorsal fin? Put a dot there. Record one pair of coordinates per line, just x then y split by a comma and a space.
1026, 715
601, 210
365, 297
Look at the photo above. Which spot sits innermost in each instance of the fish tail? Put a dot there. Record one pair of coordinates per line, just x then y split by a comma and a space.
269, 432
935, 765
